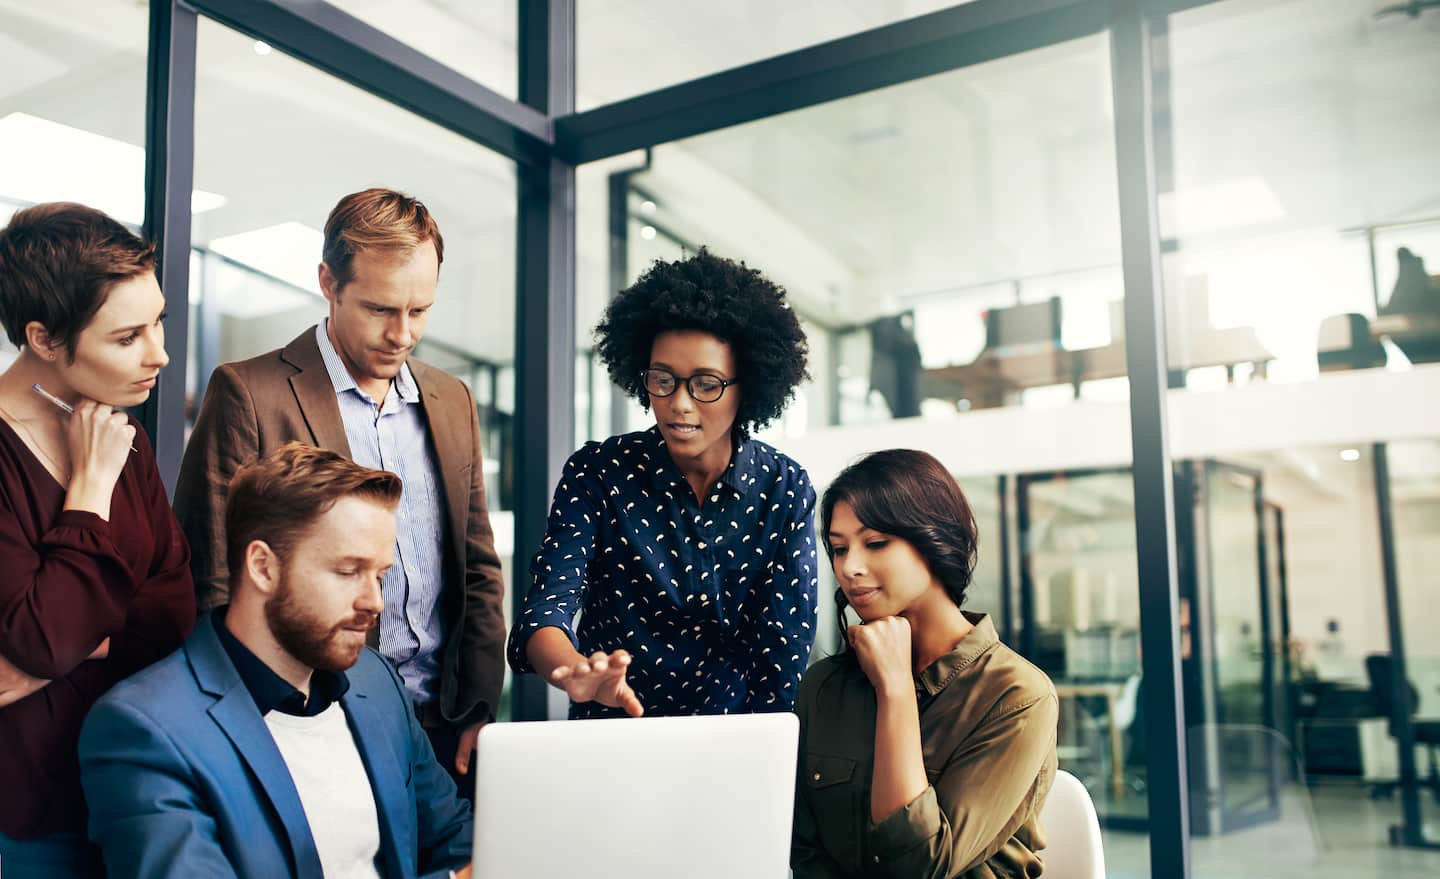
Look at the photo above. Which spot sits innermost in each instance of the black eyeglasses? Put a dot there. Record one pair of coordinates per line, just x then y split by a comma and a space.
703, 388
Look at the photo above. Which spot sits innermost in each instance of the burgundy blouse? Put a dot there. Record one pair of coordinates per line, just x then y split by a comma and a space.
69, 580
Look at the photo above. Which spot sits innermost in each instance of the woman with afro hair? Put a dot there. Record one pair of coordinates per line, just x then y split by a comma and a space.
687, 549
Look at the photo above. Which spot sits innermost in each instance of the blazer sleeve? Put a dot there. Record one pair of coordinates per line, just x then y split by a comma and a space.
146, 811
482, 634
226, 435
444, 828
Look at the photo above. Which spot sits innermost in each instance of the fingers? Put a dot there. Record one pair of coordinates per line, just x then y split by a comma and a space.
466, 747
630, 702
599, 662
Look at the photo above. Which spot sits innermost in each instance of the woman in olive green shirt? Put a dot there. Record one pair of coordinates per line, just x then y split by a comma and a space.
927, 747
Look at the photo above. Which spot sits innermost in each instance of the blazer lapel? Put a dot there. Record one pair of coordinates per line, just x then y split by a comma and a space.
382, 762
315, 394
236, 714
449, 422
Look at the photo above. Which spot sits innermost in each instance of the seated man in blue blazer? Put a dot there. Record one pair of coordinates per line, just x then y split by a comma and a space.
275, 743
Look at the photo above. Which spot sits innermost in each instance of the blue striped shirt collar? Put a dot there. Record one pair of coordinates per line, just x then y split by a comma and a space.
404, 383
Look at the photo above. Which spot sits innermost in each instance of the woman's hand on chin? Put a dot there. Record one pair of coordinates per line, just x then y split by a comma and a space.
883, 648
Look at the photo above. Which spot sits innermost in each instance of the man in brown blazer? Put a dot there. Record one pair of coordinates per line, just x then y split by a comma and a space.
349, 385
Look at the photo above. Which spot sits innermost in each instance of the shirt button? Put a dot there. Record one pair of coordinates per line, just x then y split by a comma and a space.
877, 859
817, 776
701, 544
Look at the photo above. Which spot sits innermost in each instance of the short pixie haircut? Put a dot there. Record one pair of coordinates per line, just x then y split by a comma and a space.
376, 219
278, 498
58, 263
728, 300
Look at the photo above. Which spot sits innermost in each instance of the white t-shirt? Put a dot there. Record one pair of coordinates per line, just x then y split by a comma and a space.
334, 789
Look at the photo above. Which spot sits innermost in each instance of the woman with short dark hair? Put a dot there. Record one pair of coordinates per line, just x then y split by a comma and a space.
96, 578
689, 547
927, 748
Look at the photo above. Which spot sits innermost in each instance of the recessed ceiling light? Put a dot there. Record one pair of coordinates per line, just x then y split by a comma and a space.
1350, 455
647, 232
647, 206
262, 48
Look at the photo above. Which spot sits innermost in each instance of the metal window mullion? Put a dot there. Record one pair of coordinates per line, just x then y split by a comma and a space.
1132, 74
544, 313
169, 179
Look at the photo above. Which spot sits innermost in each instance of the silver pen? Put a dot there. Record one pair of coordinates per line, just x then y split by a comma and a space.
61, 404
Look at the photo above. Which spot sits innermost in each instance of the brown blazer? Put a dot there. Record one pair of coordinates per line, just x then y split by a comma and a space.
253, 407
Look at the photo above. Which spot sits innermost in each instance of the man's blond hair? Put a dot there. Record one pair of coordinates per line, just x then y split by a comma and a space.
377, 219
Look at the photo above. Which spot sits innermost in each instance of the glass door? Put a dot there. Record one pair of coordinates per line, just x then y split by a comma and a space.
1237, 746
1079, 621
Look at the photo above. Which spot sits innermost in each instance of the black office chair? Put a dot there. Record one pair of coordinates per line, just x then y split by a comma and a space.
1380, 670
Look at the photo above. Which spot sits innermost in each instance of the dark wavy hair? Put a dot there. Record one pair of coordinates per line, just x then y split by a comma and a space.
728, 300
910, 495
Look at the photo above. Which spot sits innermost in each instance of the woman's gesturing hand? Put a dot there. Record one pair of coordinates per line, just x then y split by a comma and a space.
601, 678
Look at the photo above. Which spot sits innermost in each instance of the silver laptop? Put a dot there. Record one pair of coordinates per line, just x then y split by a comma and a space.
646, 798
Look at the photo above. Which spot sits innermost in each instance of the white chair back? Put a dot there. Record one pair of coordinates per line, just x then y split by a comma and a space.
1072, 832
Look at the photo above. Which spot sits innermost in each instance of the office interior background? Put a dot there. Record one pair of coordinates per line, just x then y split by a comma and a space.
1220, 539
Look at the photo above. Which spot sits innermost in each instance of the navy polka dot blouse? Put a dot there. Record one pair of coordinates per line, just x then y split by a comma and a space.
715, 601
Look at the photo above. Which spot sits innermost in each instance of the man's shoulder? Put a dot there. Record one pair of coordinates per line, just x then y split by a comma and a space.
159, 689
276, 363
374, 678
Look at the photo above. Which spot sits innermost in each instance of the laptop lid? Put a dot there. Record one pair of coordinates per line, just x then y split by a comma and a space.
701, 797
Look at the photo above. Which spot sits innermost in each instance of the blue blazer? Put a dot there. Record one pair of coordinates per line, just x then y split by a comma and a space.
183, 779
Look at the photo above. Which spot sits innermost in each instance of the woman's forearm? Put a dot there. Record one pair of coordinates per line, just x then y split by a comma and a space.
549, 649
899, 775
16, 684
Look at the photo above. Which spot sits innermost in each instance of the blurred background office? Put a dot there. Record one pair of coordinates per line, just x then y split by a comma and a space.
949, 228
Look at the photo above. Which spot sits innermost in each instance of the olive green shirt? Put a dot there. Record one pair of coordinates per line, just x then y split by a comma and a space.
987, 729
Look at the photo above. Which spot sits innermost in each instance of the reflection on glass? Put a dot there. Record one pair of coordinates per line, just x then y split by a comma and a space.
280, 143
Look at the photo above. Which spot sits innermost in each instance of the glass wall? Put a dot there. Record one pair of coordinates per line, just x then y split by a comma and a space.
1414, 469
281, 143
626, 47
72, 107
477, 39
910, 227
1299, 198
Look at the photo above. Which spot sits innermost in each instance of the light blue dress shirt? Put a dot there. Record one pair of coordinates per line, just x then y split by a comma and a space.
394, 436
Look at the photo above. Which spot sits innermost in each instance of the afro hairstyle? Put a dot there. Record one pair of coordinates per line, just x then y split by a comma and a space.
719, 296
